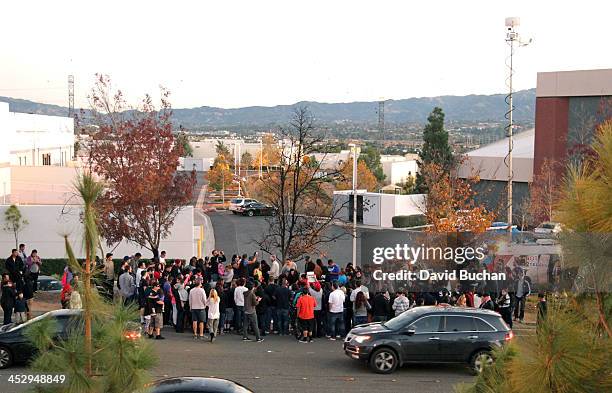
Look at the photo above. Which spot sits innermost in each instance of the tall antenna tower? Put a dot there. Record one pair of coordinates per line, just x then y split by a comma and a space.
381, 118
70, 95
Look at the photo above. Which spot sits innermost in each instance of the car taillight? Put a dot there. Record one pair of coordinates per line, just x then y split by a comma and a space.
132, 335
509, 336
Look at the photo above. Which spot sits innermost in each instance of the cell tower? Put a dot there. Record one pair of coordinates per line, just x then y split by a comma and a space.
381, 118
70, 95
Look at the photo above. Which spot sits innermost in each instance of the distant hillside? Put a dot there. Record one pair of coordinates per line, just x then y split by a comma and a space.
474, 108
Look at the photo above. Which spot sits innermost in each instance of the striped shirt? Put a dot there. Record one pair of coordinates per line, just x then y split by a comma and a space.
400, 304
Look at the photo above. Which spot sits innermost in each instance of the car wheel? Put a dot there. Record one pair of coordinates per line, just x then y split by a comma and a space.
250, 213
6, 357
480, 361
383, 361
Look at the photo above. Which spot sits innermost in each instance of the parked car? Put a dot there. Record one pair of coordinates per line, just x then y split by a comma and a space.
500, 226
196, 385
16, 348
257, 209
433, 334
237, 203
547, 229
49, 283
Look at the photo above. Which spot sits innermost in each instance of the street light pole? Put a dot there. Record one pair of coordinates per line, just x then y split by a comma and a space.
354, 153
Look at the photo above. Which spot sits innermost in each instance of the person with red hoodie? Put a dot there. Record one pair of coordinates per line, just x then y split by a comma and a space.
305, 307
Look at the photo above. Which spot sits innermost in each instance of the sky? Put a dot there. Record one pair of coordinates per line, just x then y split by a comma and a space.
241, 53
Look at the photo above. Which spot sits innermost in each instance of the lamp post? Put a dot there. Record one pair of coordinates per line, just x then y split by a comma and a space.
355, 154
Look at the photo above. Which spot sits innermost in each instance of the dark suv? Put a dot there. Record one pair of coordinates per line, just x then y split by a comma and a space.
429, 335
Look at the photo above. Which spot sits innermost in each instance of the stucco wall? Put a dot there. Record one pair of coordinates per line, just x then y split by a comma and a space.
48, 224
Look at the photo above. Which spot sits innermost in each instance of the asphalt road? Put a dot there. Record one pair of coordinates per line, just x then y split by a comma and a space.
236, 234
280, 364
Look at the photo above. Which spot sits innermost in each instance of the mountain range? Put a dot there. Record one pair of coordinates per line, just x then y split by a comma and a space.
469, 108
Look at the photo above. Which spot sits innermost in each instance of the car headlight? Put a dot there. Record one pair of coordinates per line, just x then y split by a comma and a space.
361, 339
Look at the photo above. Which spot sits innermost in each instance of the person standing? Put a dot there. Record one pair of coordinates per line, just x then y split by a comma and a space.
401, 303
487, 303
305, 312
505, 306
361, 306
333, 271
274, 268
75, 297
542, 308
380, 307
523, 290
7, 300
127, 285
250, 315
22, 252
287, 267
336, 312
15, 267
109, 275
197, 304
213, 313
239, 302
316, 292
282, 295
20, 309
33, 265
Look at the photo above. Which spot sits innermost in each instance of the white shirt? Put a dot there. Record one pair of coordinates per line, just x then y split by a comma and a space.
138, 276
239, 296
275, 269
361, 288
213, 308
336, 301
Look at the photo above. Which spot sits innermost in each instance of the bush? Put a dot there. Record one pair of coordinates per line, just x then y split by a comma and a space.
413, 220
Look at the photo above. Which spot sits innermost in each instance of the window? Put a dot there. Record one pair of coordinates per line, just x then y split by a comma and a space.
46, 159
427, 324
482, 326
459, 324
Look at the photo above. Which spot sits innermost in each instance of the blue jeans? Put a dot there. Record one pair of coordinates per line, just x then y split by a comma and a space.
334, 318
360, 320
269, 316
238, 318
222, 321
282, 317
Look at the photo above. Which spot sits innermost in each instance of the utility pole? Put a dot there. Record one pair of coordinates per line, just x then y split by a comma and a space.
381, 118
512, 37
70, 95
355, 154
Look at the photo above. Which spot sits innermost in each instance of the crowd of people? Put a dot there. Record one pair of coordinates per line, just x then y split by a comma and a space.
246, 295
19, 284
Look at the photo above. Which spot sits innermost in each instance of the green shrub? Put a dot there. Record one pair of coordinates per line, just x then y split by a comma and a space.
413, 220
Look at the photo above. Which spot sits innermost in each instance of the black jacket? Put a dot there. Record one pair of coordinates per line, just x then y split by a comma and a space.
8, 297
380, 306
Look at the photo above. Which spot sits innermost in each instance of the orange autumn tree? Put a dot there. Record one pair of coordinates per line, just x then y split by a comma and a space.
135, 152
450, 205
365, 178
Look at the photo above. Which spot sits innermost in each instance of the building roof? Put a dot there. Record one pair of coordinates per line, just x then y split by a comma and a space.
488, 162
523, 144
575, 83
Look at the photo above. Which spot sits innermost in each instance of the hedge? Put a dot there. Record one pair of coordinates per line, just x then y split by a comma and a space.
413, 220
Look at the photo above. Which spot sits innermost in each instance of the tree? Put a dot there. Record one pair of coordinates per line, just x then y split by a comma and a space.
223, 151
96, 356
371, 156
270, 154
246, 160
450, 205
585, 210
301, 194
544, 192
220, 176
14, 222
136, 154
365, 178
408, 185
183, 140
436, 149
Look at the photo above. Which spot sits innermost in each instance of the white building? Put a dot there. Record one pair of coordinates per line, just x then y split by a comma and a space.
32, 140
377, 209
398, 169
